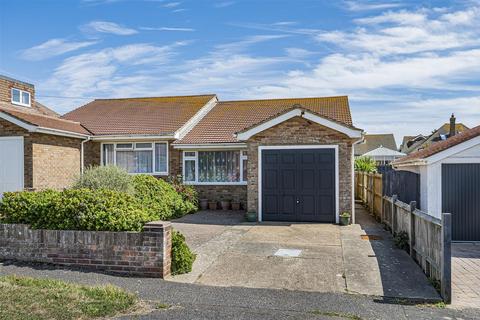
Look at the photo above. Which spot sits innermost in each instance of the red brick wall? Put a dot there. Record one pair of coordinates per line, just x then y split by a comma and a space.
298, 131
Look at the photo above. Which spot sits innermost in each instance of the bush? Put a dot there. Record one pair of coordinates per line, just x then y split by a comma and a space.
400, 239
182, 256
76, 209
160, 199
187, 192
105, 177
365, 164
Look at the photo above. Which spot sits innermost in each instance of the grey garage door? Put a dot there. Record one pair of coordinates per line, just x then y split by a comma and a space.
461, 198
298, 185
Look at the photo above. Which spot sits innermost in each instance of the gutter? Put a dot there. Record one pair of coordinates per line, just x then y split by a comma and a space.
413, 162
132, 137
361, 140
82, 155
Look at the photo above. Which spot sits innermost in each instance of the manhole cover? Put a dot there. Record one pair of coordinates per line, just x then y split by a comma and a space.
288, 253
370, 237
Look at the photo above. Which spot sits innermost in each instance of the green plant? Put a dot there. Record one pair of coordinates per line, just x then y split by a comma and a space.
345, 214
187, 192
400, 240
182, 256
365, 164
75, 209
105, 177
160, 199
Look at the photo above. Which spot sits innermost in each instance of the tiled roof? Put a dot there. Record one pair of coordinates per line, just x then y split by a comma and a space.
373, 141
44, 121
230, 117
441, 145
150, 116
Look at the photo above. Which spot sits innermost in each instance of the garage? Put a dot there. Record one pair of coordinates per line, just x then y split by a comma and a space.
461, 198
11, 164
299, 184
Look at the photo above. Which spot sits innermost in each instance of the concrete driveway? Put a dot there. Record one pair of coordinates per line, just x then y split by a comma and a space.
299, 256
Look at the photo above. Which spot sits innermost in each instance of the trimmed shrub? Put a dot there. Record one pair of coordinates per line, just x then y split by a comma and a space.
105, 177
187, 192
160, 199
76, 209
182, 256
365, 164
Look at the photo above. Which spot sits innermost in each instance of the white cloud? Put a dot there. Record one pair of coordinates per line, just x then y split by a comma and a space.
53, 47
224, 4
167, 29
107, 27
365, 6
172, 4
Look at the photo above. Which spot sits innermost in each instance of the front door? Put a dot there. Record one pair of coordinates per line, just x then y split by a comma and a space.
298, 185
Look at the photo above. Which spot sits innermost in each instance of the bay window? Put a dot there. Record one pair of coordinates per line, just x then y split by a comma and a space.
215, 167
137, 157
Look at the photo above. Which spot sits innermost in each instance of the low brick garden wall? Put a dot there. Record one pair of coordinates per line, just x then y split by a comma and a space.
146, 253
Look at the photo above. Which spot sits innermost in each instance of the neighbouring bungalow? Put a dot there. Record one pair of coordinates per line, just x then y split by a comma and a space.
375, 141
450, 181
286, 159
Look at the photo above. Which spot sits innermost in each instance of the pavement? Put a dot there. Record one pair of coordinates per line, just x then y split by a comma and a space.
193, 301
331, 258
466, 275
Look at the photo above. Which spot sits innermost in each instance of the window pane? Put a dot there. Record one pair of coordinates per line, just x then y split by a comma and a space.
160, 157
143, 145
16, 95
124, 146
135, 161
25, 98
190, 154
219, 166
244, 169
190, 170
107, 154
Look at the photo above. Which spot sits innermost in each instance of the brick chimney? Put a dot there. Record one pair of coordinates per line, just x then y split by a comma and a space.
452, 126
6, 86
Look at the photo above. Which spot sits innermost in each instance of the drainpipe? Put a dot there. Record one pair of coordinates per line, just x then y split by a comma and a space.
353, 175
82, 157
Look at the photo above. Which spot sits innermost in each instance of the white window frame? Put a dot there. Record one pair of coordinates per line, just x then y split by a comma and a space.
115, 149
196, 182
21, 103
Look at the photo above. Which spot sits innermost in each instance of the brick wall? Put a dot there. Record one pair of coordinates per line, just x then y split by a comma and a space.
218, 193
146, 254
298, 131
49, 161
6, 86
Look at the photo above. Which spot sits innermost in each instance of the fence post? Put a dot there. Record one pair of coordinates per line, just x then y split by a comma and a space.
446, 281
413, 207
394, 213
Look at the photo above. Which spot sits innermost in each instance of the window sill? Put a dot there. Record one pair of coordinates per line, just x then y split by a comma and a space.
244, 183
21, 104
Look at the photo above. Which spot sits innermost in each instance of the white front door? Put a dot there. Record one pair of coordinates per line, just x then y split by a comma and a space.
11, 164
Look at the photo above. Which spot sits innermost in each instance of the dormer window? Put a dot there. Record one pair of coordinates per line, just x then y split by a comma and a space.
20, 97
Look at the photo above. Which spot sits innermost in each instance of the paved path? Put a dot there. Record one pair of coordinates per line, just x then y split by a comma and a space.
466, 274
377, 267
192, 301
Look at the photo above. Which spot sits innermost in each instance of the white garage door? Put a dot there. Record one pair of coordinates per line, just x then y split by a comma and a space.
11, 164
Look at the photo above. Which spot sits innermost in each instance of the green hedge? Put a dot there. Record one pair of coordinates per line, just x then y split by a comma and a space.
182, 256
159, 198
75, 209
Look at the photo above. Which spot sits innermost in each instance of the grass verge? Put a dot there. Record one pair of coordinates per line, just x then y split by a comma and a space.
38, 299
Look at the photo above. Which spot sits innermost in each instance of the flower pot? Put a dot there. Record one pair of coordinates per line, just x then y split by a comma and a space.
203, 204
236, 206
225, 204
344, 221
212, 205
251, 216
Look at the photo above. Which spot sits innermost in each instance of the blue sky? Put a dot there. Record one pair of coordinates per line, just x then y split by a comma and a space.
405, 65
